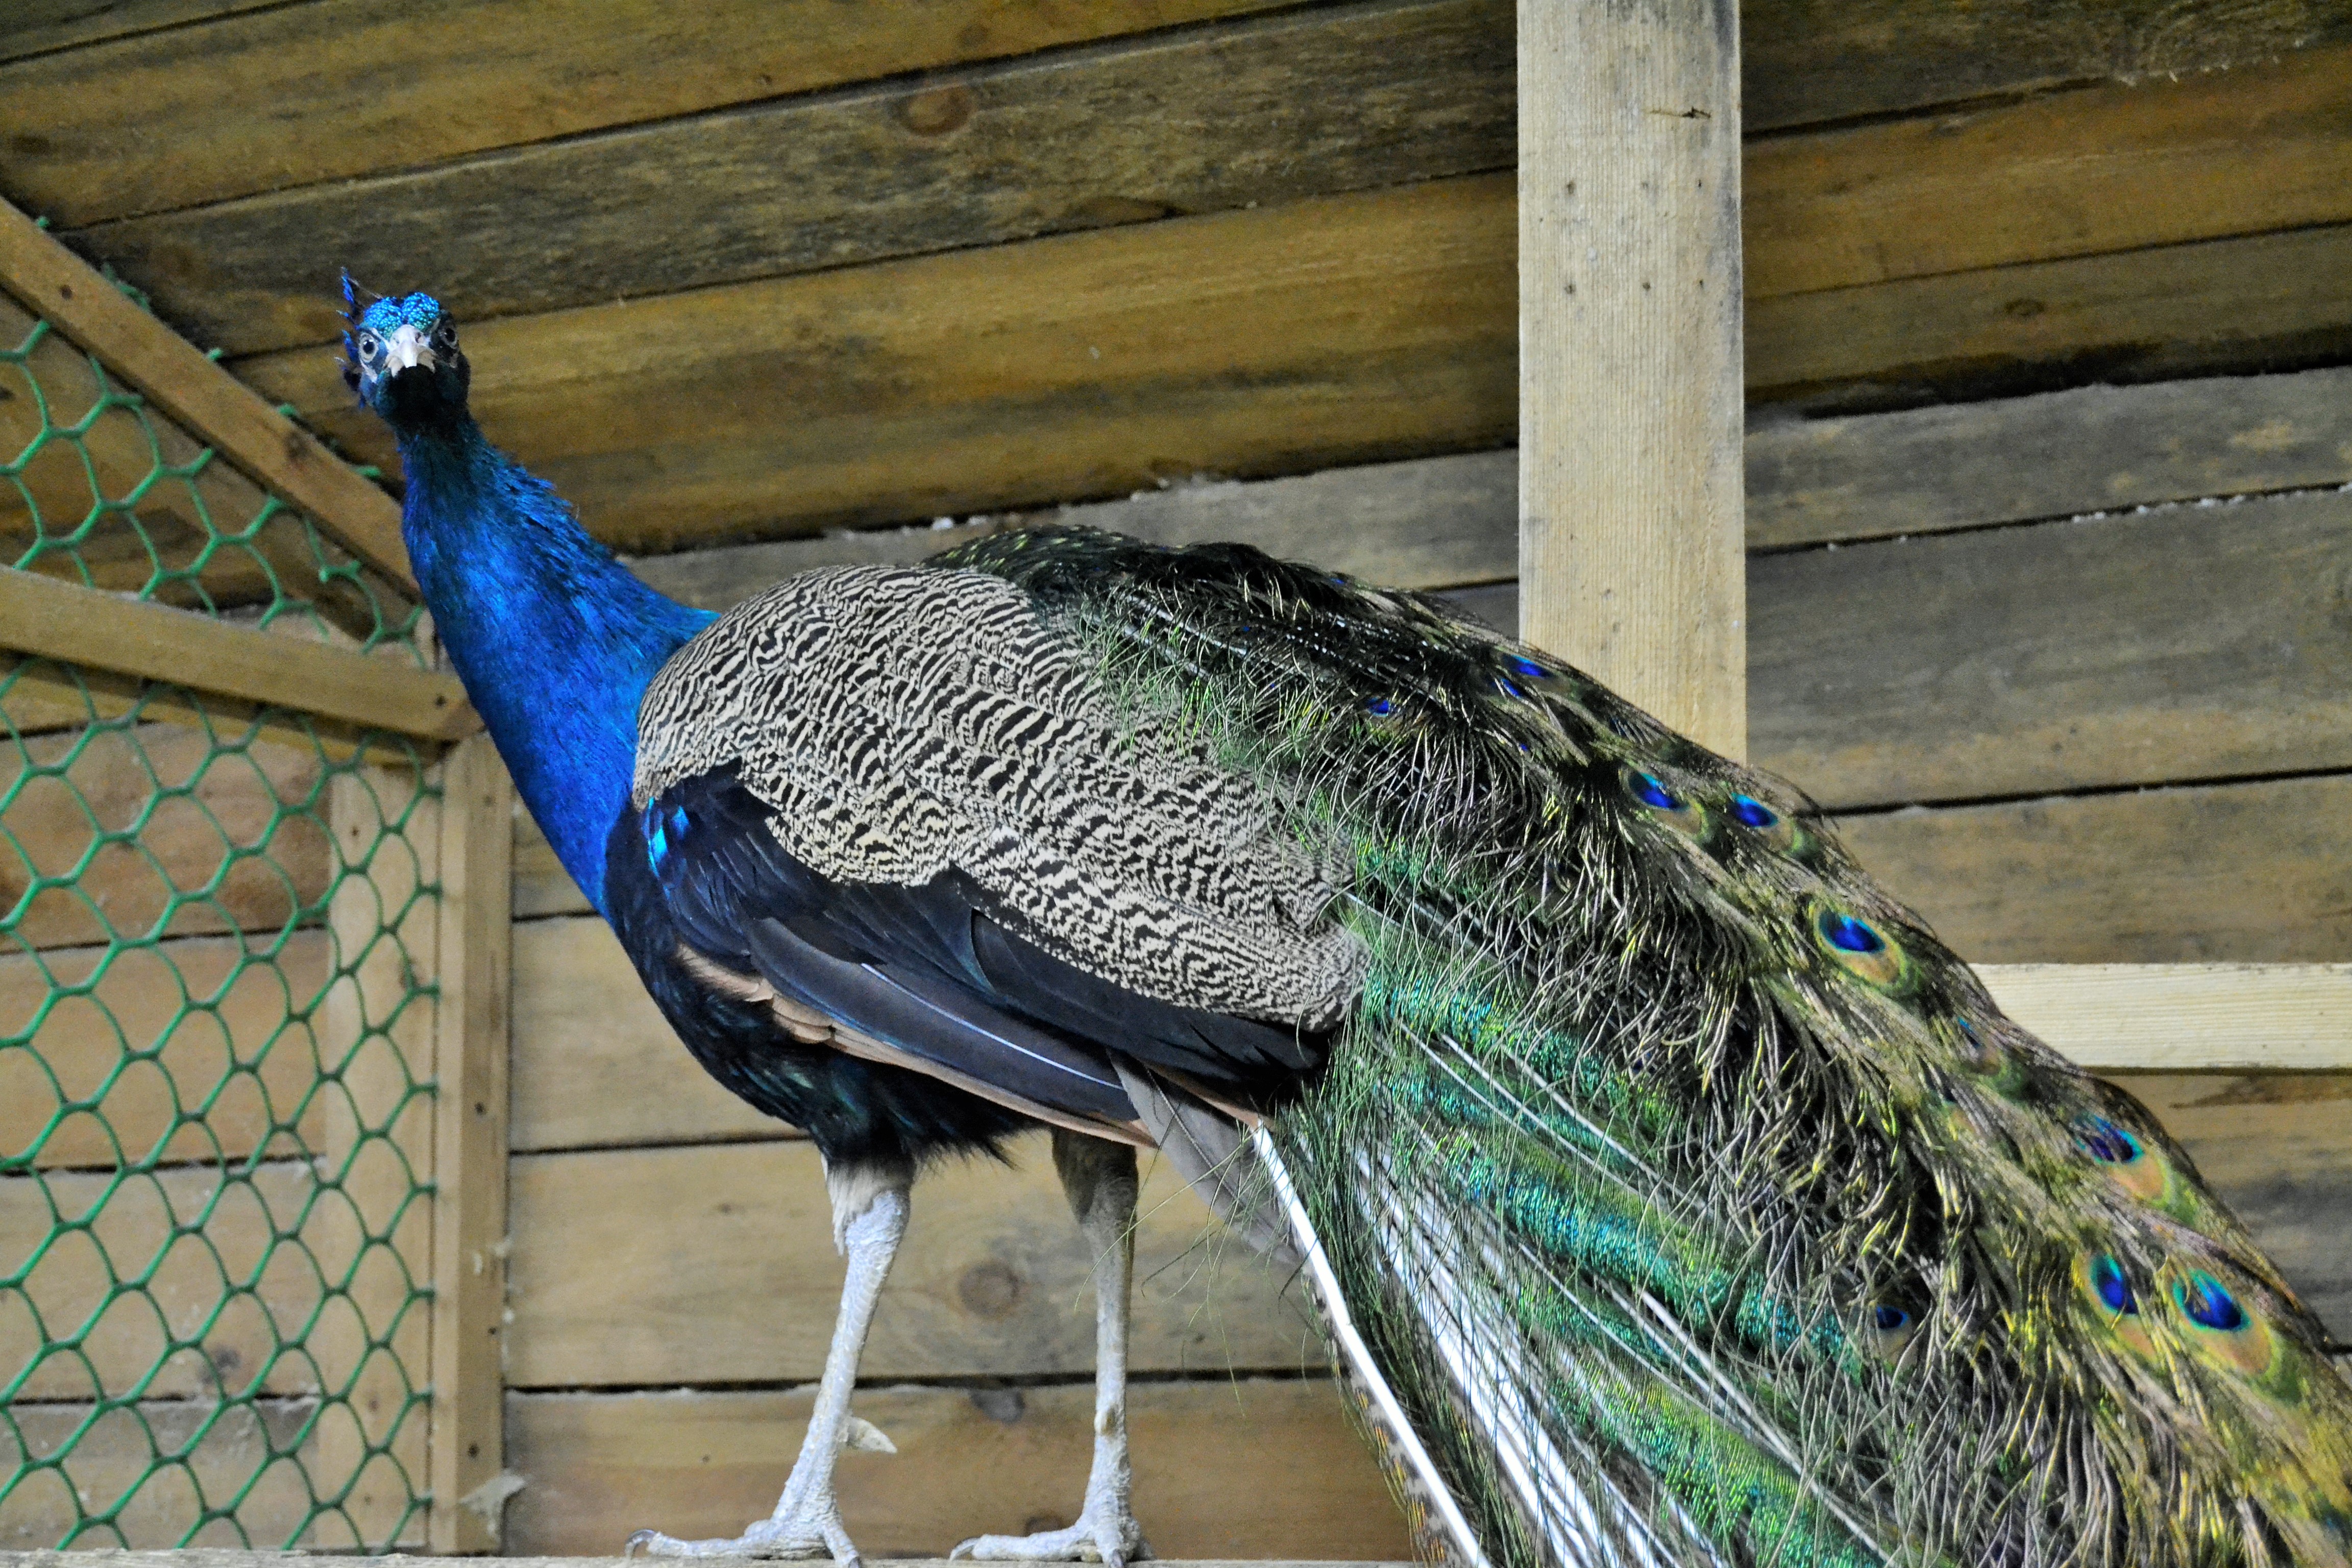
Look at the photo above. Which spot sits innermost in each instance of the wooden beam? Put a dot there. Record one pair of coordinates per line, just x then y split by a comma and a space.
79, 626
466, 1448
1630, 400
2184, 1017
278, 453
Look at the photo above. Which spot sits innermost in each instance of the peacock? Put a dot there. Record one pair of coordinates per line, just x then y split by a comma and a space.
1671, 1196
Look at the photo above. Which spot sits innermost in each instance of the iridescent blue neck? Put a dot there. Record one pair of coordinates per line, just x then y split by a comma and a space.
554, 639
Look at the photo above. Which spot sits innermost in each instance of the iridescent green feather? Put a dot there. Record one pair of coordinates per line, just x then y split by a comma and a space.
1782, 1242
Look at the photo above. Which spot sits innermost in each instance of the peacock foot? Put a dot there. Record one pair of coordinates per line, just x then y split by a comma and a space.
805, 1532
1105, 1534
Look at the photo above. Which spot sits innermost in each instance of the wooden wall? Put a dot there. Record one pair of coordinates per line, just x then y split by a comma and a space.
2050, 585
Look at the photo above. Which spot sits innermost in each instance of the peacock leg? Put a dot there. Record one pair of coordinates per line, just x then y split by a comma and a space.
869, 1216
1099, 1178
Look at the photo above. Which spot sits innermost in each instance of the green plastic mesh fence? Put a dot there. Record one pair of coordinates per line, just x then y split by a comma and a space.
217, 934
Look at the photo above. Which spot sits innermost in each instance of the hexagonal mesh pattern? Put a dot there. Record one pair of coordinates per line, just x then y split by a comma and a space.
98, 487
217, 946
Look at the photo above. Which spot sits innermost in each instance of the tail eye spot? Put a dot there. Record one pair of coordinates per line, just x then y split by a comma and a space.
2206, 1302
1753, 813
2113, 1290
1651, 793
1847, 934
2103, 1141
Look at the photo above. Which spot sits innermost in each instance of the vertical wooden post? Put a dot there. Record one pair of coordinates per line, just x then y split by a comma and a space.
467, 1451
1630, 484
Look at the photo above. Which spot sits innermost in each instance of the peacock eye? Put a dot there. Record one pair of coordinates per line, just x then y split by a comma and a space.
445, 336
370, 345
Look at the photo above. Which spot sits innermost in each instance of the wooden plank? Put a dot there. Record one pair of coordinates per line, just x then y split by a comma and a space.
2263, 147
36, 26
2189, 1017
1811, 60
66, 622
1425, 524
1244, 1468
114, 1460
1245, 113
1440, 522
1302, 103
594, 1065
467, 1442
281, 97
286, 459
2246, 873
40, 697
1629, 403
2061, 453
1367, 326
2030, 660
146, 830
1338, 330
185, 1050
634, 1266
193, 1233
2262, 302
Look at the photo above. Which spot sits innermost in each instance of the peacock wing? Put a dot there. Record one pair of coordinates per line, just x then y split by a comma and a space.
897, 801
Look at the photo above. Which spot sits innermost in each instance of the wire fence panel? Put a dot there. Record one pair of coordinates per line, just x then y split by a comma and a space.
218, 941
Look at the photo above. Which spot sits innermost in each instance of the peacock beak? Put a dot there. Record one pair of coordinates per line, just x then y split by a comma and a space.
405, 346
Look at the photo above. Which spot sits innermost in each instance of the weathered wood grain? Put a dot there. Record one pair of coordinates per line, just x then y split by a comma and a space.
132, 1232
1269, 108
2255, 303
1630, 392
2259, 148
254, 103
2194, 642
36, 26
2060, 454
593, 1063
1425, 524
1339, 330
2273, 1146
1811, 60
1286, 338
1303, 103
295, 95
2184, 1017
472, 1013
1244, 1469
69, 623
207, 1052
224, 1449
202, 841
2247, 873
636, 1267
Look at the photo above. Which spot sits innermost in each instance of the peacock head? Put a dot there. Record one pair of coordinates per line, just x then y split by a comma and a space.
401, 356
